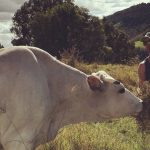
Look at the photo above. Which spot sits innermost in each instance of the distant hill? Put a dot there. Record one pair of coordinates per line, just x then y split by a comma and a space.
135, 21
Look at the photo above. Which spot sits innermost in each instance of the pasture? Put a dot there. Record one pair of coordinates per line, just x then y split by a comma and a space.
120, 134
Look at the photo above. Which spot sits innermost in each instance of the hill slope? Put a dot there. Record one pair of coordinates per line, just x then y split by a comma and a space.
135, 21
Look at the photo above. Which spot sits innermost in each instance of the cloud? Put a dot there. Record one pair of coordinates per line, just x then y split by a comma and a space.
5, 35
5, 26
8, 6
7, 10
5, 39
107, 7
5, 16
19, 2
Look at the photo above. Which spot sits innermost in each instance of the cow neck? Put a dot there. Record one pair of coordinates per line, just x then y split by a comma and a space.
72, 82
68, 78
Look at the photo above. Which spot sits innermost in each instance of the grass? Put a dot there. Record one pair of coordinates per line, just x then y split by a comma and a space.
139, 44
119, 134
116, 135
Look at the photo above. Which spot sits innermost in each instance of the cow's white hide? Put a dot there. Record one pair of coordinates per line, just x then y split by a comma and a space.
39, 95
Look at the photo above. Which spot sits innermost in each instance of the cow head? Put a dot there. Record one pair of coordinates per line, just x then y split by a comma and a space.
95, 98
109, 98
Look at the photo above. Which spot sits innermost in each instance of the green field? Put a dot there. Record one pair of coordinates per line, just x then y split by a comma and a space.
120, 134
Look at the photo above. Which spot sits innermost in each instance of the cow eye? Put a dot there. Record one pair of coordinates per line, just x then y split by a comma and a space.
121, 91
116, 82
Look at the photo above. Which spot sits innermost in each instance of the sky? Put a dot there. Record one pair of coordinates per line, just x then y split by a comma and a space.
98, 8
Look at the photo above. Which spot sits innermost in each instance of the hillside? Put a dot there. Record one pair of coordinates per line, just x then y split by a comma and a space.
134, 20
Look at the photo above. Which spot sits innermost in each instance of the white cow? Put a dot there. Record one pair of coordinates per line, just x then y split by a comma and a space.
39, 95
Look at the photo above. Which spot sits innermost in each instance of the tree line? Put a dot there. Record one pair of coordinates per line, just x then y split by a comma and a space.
59, 25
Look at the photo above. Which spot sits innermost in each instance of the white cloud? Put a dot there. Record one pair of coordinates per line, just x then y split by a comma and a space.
5, 26
10, 6
19, 2
7, 10
5, 39
5, 16
5, 35
107, 7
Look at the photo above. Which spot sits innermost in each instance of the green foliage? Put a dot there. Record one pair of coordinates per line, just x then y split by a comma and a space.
24, 15
66, 26
122, 49
140, 50
57, 26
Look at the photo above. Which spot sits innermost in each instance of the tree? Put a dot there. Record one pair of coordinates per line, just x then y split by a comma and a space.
66, 26
122, 49
23, 17
59, 25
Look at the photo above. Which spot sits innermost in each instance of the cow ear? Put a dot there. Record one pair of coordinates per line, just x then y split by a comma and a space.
94, 82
